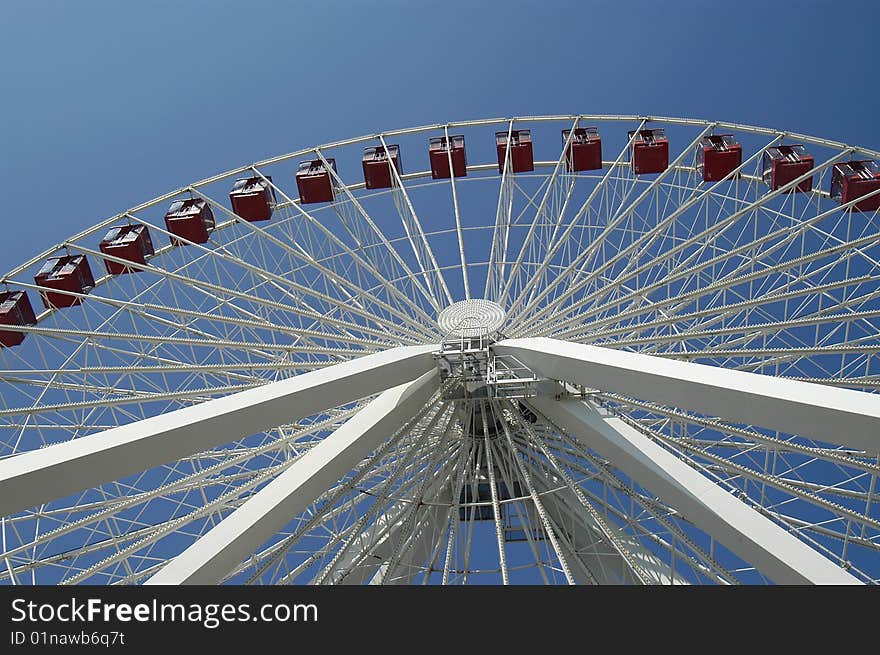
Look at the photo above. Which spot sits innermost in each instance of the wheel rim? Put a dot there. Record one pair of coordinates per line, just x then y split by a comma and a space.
727, 274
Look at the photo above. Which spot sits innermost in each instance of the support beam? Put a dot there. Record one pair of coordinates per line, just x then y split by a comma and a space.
779, 555
216, 553
39, 476
832, 415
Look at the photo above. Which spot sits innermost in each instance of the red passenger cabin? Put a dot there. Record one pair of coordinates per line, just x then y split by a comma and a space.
584, 150
68, 273
718, 156
441, 151
521, 158
253, 198
129, 242
15, 309
377, 166
190, 219
650, 151
855, 179
314, 181
782, 164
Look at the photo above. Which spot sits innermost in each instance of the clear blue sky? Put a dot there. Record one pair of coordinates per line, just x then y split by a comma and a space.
107, 104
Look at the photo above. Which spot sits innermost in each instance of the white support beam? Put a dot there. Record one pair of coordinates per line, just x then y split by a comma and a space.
779, 555
828, 414
39, 476
216, 553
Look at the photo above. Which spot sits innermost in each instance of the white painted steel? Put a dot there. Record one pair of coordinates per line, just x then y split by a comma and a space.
230, 541
471, 318
840, 416
755, 538
38, 476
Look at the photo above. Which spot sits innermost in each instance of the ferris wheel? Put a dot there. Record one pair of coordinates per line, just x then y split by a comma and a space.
549, 349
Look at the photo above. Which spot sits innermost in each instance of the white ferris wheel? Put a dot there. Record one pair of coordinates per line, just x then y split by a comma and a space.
549, 349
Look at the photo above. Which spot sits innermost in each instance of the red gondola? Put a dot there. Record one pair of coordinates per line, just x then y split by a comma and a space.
253, 198
441, 152
718, 156
129, 242
190, 219
585, 149
521, 157
68, 273
650, 151
855, 179
782, 164
314, 181
377, 169
15, 309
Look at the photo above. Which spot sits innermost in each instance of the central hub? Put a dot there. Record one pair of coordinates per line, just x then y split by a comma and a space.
471, 318
474, 376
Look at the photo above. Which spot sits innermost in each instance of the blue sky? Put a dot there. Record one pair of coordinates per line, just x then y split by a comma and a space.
107, 104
